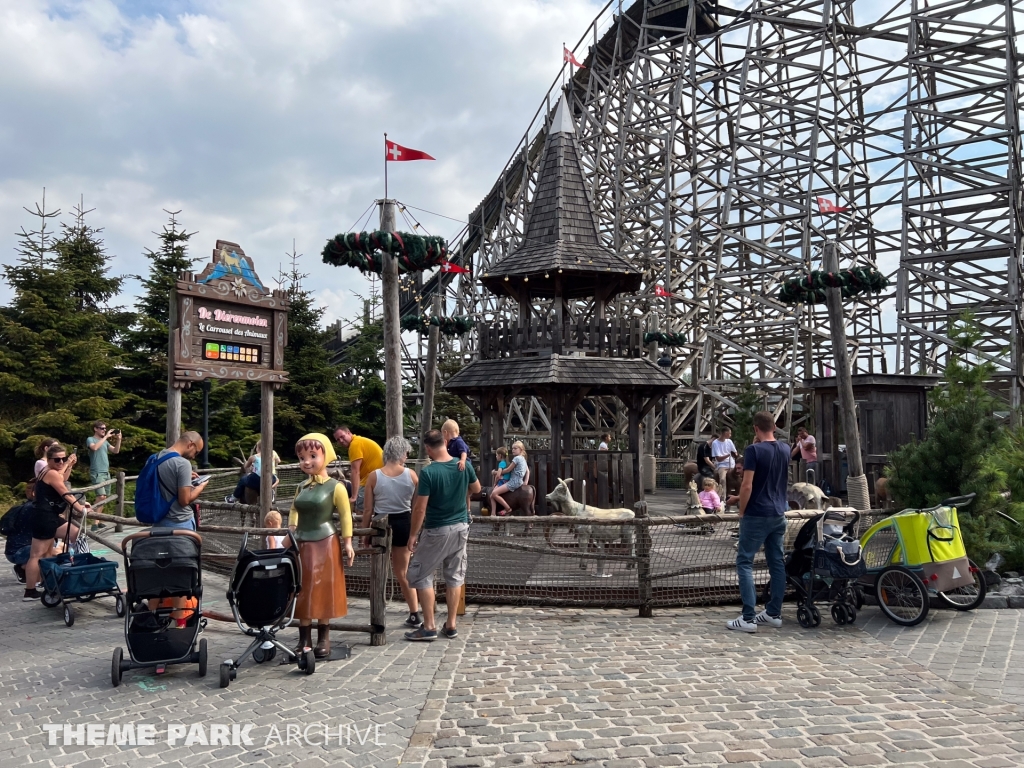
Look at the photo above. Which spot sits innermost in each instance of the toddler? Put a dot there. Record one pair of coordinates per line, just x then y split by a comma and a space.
273, 520
709, 500
456, 445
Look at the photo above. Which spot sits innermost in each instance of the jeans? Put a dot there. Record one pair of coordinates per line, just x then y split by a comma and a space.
251, 480
755, 532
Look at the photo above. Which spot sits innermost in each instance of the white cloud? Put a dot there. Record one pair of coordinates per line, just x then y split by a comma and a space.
263, 121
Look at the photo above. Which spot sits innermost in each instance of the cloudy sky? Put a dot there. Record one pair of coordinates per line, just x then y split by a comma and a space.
262, 121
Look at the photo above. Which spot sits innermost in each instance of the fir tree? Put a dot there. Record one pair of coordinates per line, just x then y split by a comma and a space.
58, 365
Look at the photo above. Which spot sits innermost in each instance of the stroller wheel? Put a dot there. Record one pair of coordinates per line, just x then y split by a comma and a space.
815, 616
50, 601
260, 656
839, 615
804, 617
202, 657
225, 675
115, 667
851, 614
69, 615
310, 666
119, 606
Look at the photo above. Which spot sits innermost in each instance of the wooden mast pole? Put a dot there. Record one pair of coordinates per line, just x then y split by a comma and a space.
392, 331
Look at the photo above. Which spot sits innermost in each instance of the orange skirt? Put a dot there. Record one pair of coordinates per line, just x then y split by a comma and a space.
323, 581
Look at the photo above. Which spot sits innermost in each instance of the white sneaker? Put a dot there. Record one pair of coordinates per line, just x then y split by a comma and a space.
741, 625
771, 621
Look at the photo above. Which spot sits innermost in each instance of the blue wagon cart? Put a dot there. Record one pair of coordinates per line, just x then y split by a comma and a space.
80, 576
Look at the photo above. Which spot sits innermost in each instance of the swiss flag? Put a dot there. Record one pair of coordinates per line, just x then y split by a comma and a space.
397, 153
567, 56
662, 293
827, 206
447, 266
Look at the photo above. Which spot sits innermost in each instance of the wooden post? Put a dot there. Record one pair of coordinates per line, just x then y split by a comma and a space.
847, 405
119, 490
173, 426
266, 448
381, 544
643, 566
430, 377
392, 331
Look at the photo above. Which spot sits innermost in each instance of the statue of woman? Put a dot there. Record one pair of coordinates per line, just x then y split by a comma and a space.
323, 581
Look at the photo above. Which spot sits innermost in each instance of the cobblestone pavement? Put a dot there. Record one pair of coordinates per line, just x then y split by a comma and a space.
981, 650
529, 686
604, 688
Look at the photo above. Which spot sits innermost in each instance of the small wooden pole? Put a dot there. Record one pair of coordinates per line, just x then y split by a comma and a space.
381, 543
430, 377
847, 405
644, 545
392, 331
173, 427
119, 490
266, 448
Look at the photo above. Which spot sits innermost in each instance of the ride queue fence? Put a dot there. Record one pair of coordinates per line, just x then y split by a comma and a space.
648, 562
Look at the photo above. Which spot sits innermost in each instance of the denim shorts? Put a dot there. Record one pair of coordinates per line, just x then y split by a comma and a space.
181, 525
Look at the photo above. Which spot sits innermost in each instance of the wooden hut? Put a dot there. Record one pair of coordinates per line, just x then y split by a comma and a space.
891, 411
562, 348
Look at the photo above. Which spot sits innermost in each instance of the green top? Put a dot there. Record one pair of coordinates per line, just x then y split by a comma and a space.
314, 505
448, 489
99, 461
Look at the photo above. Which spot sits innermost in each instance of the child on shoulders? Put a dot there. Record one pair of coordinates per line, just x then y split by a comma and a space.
457, 447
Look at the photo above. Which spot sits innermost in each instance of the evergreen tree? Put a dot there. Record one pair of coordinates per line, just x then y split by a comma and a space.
315, 397
748, 402
958, 454
58, 365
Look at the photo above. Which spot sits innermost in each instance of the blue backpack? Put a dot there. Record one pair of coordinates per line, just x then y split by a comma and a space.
150, 505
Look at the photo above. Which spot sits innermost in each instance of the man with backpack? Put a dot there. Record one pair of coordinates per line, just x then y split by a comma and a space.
164, 491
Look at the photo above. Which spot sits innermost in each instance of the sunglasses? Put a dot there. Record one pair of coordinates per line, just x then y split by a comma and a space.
60, 459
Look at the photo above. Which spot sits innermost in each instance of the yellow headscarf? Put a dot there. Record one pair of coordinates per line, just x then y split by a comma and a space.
320, 437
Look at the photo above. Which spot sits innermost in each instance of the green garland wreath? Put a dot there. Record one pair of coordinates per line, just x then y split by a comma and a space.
449, 326
665, 339
813, 288
364, 251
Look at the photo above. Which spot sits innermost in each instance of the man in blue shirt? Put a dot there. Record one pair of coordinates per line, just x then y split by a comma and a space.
763, 507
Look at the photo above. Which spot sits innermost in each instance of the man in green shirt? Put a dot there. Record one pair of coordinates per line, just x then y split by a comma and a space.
438, 533
102, 442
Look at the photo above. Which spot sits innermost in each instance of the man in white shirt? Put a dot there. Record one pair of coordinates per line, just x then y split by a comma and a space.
723, 453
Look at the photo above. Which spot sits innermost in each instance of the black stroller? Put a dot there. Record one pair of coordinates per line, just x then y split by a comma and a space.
162, 564
264, 587
824, 567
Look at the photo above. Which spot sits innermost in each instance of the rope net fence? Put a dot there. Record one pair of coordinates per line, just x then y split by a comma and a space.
658, 560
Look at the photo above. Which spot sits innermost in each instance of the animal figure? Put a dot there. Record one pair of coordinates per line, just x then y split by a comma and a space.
563, 504
689, 470
807, 496
882, 492
523, 499
231, 263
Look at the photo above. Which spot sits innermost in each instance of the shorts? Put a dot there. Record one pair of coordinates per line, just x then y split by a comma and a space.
357, 504
182, 525
400, 524
45, 524
440, 546
95, 478
20, 555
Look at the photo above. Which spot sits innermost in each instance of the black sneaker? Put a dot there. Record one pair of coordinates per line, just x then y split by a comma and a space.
451, 634
19, 572
30, 595
414, 621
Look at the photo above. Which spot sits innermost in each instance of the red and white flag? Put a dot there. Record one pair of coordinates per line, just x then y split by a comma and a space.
447, 266
397, 153
567, 56
662, 293
827, 206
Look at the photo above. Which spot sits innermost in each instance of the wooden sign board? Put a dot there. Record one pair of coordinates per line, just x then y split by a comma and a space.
227, 324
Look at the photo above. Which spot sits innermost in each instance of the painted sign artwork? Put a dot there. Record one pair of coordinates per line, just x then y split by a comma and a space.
228, 326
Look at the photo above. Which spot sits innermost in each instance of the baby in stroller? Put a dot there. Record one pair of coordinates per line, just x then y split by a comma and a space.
824, 566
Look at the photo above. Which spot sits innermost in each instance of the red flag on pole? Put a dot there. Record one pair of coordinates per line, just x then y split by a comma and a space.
567, 56
827, 206
397, 153
447, 266
662, 293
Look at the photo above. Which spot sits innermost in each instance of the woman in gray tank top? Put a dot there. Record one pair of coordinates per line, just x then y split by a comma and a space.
389, 491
